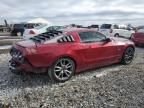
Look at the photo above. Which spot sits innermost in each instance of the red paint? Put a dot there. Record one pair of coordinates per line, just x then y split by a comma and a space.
85, 55
138, 38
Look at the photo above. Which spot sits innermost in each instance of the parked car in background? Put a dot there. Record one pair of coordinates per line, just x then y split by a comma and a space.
51, 28
138, 37
18, 29
116, 30
39, 30
95, 27
28, 33
64, 53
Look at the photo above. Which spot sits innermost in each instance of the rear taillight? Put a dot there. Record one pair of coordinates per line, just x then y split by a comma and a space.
31, 50
31, 32
111, 30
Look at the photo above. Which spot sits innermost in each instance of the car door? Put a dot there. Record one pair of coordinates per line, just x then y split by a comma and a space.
122, 31
128, 32
97, 50
140, 36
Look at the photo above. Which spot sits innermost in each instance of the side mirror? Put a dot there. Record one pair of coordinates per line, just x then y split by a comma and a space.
107, 40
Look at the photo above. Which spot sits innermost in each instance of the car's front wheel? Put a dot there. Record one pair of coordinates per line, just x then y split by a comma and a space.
62, 70
128, 56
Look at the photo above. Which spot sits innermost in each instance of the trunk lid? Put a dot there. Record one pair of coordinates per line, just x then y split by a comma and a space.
28, 43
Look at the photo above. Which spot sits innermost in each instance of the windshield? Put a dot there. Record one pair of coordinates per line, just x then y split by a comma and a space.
55, 28
58, 27
105, 26
41, 26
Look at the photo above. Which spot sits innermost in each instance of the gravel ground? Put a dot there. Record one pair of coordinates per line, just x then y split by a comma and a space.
116, 86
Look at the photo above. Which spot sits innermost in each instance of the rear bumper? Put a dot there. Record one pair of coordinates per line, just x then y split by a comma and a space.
18, 68
13, 68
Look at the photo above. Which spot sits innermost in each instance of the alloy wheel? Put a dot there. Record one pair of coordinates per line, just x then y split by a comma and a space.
64, 68
129, 54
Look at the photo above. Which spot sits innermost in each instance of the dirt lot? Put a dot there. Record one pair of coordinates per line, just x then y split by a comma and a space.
116, 86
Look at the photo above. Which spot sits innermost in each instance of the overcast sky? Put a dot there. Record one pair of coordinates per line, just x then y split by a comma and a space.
74, 11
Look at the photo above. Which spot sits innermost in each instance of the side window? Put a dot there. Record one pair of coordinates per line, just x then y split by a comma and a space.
122, 27
88, 37
115, 27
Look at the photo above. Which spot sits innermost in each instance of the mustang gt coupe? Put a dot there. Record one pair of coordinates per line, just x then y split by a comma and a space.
63, 53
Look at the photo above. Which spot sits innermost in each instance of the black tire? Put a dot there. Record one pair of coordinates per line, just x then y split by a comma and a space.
128, 56
62, 70
116, 35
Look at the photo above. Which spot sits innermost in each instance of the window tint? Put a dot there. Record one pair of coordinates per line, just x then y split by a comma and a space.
55, 28
94, 26
41, 26
91, 37
116, 27
105, 26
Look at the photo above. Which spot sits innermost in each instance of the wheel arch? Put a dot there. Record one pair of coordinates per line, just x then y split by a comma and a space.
130, 46
116, 34
67, 56
126, 48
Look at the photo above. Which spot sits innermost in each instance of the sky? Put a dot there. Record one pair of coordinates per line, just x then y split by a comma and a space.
83, 12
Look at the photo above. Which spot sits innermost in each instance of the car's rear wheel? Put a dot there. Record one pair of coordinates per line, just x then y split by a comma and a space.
128, 56
116, 35
62, 70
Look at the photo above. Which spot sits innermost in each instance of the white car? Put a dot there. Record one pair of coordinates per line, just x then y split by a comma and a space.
116, 30
28, 33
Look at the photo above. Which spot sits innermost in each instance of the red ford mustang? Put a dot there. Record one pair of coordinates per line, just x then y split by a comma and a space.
138, 37
63, 53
